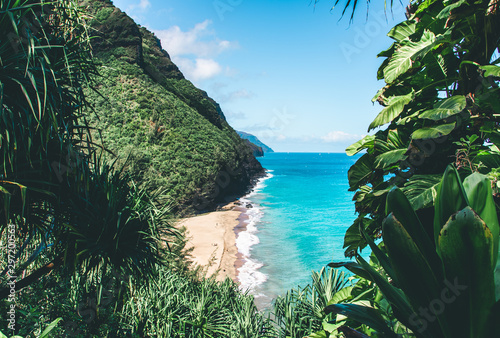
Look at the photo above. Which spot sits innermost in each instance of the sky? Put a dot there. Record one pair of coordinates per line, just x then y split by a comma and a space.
293, 73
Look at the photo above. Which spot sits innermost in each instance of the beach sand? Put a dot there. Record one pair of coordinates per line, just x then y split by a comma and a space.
213, 239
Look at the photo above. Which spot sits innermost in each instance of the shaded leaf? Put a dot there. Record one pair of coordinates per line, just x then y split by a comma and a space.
434, 131
478, 190
466, 246
401, 209
362, 314
360, 171
394, 296
382, 257
450, 199
416, 276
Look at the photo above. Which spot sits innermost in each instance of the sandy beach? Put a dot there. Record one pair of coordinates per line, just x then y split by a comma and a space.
213, 239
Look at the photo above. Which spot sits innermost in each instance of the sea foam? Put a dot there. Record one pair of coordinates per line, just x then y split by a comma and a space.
249, 275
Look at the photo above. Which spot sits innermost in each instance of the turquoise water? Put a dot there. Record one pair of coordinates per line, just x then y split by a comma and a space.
297, 224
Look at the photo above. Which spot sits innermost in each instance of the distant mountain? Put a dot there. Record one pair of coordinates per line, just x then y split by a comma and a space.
253, 139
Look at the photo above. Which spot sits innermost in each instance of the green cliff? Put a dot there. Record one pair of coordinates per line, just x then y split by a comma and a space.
169, 134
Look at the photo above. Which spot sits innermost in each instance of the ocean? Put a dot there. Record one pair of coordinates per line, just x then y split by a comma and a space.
296, 223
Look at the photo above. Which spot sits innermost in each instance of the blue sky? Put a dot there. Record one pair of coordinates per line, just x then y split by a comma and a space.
288, 72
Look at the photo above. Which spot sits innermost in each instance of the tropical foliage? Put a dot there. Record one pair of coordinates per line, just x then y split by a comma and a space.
177, 306
93, 244
301, 311
432, 285
63, 207
84, 239
440, 105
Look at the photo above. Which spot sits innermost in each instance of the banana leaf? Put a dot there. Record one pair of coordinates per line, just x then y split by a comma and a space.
451, 198
466, 246
416, 276
478, 190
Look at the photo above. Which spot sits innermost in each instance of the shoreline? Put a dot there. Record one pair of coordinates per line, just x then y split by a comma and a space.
212, 238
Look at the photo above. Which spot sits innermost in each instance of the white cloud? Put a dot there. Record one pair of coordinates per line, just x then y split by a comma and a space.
144, 4
194, 50
200, 41
198, 69
340, 136
141, 5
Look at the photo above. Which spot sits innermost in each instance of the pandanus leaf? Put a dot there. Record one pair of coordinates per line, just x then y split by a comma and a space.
466, 246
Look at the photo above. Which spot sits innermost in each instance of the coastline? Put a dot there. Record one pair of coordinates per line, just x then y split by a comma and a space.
220, 240
212, 238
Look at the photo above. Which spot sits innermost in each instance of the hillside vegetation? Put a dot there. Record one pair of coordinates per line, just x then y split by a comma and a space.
169, 134
87, 248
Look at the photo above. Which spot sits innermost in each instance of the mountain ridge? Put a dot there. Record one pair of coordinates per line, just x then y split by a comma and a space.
168, 134
255, 140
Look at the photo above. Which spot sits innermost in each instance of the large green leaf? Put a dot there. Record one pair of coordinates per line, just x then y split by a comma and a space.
342, 295
360, 171
416, 276
394, 296
434, 131
382, 257
421, 190
492, 327
390, 158
355, 268
364, 315
395, 106
446, 108
402, 210
352, 238
356, 147
489, 159
402, 60
490, 70
445, 13
451, 198
402, 30
478, 190
466, 246
319, 334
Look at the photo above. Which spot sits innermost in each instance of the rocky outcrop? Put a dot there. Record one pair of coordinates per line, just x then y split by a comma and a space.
256, 150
